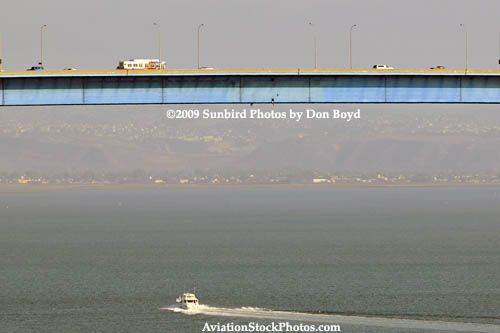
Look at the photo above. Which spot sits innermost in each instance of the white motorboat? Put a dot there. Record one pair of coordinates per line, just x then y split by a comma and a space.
187, 301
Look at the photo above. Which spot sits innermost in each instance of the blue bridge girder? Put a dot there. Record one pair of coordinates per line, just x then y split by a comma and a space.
248, 86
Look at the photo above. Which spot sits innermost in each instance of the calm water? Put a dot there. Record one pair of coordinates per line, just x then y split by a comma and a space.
108, 260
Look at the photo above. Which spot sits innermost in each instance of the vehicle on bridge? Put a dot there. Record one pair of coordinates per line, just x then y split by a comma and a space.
382, 67
142, 64
36, 68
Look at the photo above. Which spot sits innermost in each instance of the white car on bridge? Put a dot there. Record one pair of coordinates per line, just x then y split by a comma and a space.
382, 67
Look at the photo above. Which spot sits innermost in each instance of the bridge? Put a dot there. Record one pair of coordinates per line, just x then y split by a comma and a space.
249, 86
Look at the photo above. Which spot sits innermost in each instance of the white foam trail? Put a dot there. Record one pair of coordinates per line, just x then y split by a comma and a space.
249, 312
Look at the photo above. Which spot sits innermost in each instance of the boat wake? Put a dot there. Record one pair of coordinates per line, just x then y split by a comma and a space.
260, 313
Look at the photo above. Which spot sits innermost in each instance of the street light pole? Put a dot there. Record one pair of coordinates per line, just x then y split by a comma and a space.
315, 46
159, 39
350, 45
466, 48
0, 51
41, 43
199, 27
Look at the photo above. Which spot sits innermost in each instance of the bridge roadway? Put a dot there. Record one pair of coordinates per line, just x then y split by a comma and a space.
229, 86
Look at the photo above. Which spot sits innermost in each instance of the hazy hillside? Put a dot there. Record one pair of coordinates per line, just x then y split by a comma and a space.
122, 139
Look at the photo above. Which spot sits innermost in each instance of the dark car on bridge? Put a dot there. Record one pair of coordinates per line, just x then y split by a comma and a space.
36, 68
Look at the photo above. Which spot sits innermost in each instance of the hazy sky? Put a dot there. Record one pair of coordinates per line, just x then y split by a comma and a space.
271, 33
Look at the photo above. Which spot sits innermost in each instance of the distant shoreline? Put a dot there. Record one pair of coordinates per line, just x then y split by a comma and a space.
65, 187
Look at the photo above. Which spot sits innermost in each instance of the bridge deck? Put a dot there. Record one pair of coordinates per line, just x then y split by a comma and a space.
251, 71
249, 86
